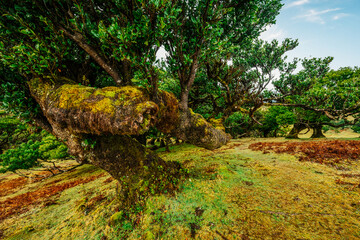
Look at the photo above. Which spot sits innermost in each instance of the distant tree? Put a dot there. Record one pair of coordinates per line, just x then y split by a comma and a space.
237, 79
203, 30
325, 97
310, 120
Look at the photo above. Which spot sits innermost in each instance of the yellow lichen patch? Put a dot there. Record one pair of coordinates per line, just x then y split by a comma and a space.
127, 96
103, 106
217, 123
72, 96
116, 110
106, 92
40, 88
104, 100
144, 106
198, 119
131, 92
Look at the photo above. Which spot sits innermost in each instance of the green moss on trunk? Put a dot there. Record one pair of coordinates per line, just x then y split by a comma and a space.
139, 171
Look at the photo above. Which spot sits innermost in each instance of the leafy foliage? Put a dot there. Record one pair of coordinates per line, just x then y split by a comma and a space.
276, 120
339, 91
50, 148
356, 127
237, 124
237, 80
15, 96
220, 26
13, 132
25, 156
24, 147
28, 154
84, 40
315, 88
293, 86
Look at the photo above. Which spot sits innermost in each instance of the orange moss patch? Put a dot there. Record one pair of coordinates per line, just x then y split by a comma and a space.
97, 199
324, 152
8, 187
21, 203
109, 180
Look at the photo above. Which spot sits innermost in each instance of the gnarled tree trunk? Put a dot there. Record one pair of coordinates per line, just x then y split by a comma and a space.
139, 170
96, 125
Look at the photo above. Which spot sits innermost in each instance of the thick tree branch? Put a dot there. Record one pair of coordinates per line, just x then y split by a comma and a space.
303, 106
79, 39
75, 111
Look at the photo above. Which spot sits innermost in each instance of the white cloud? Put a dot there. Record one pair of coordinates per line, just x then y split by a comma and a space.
271, 33
316, 16
340, 15
297, 3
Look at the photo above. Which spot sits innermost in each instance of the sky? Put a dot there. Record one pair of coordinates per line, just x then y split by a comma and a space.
323, 28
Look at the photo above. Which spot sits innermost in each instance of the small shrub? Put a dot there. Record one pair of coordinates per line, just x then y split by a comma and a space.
237, 124
22, 147
13, 132
276, 121
25, 156
50, 148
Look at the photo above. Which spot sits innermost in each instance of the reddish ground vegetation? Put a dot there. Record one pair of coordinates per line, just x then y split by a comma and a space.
8, 187
325, 152
22, 202
53, 182
97, 199
109, 180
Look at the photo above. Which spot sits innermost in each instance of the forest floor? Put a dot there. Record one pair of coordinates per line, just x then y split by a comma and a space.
249, 189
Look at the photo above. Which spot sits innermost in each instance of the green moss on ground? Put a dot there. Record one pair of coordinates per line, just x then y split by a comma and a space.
231, 193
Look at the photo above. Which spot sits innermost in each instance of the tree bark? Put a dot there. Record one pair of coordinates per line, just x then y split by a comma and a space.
297, 128
127, 73
95, 124
186, 82
139, 171
317, 128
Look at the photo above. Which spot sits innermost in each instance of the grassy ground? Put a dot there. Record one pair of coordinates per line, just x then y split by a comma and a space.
232, 193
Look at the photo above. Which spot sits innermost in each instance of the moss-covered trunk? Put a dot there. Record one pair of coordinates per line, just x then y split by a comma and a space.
297, 128
193, 128
140, 171
96, 125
